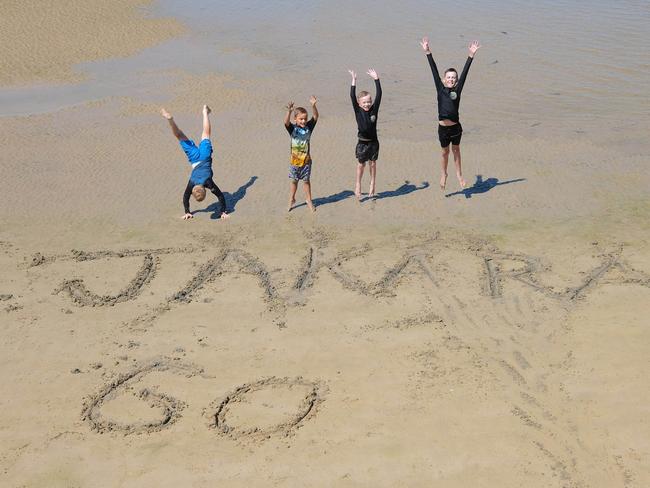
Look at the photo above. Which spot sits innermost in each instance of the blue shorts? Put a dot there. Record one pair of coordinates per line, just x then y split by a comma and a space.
300, 172
195, 154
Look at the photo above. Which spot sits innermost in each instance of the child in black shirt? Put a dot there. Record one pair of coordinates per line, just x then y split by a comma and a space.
366, 113
449, 128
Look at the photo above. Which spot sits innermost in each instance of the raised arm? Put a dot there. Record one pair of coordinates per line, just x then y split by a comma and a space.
313, 100
287, 117
373, 74
473, 47
432, 64
353, 90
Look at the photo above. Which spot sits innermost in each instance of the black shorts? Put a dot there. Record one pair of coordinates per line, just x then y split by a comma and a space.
451, 133
367, 151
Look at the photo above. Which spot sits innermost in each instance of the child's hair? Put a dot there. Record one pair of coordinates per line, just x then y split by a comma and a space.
451, 70
199, 192
299, 110
362, 94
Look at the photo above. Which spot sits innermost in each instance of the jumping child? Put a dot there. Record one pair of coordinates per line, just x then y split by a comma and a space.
449, 128
366, 113
200, 158
300, 165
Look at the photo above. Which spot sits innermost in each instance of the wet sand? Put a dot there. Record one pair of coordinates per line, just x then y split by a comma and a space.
48, 38
495, 336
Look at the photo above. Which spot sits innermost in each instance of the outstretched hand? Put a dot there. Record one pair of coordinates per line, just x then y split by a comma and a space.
289, 106
425, 45
206, 110
373, 74
473, 47
313, 100
352, 74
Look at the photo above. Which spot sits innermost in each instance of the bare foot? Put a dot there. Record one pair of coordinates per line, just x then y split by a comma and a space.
292, 202
462, 182
443, 182
165, 114
311, 206
357, 192
188, 216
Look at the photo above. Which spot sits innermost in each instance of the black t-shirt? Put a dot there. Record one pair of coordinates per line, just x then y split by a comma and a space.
366, 121
448, 98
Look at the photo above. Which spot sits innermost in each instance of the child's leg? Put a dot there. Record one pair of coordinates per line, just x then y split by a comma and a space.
459, 172
306, 186
357, 186
177, 132
293, 186
212, 186
443, 163
206, 123
373, 176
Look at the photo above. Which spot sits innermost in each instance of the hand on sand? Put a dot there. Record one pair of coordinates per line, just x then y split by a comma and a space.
425, 45
188, 216
206, 110
165, 114
373, 74
313, 100
224, 215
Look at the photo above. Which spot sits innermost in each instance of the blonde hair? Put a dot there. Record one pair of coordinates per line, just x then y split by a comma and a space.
362, 94
199, 192
299, 110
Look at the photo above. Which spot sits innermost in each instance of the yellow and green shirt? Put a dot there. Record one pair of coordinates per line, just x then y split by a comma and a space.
300, 142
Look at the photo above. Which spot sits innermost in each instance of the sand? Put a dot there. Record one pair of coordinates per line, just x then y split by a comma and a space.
492, 337
49, 37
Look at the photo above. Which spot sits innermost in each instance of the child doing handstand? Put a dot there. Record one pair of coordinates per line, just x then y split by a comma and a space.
200, 159
449, 128
300, 165
366, 113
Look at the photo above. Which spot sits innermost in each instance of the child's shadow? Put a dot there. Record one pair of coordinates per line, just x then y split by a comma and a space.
404, 189
482, 186
231, 200
336, 197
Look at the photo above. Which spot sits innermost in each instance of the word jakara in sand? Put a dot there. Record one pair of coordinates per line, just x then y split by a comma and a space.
493, 269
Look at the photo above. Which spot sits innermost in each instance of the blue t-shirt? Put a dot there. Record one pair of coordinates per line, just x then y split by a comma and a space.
200, 158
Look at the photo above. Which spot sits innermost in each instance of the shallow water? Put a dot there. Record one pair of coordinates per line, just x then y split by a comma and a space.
550, 65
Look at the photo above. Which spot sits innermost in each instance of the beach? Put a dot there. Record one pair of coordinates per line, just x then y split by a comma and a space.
491, 336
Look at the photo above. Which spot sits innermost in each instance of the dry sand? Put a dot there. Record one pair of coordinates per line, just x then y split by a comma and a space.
492, 338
